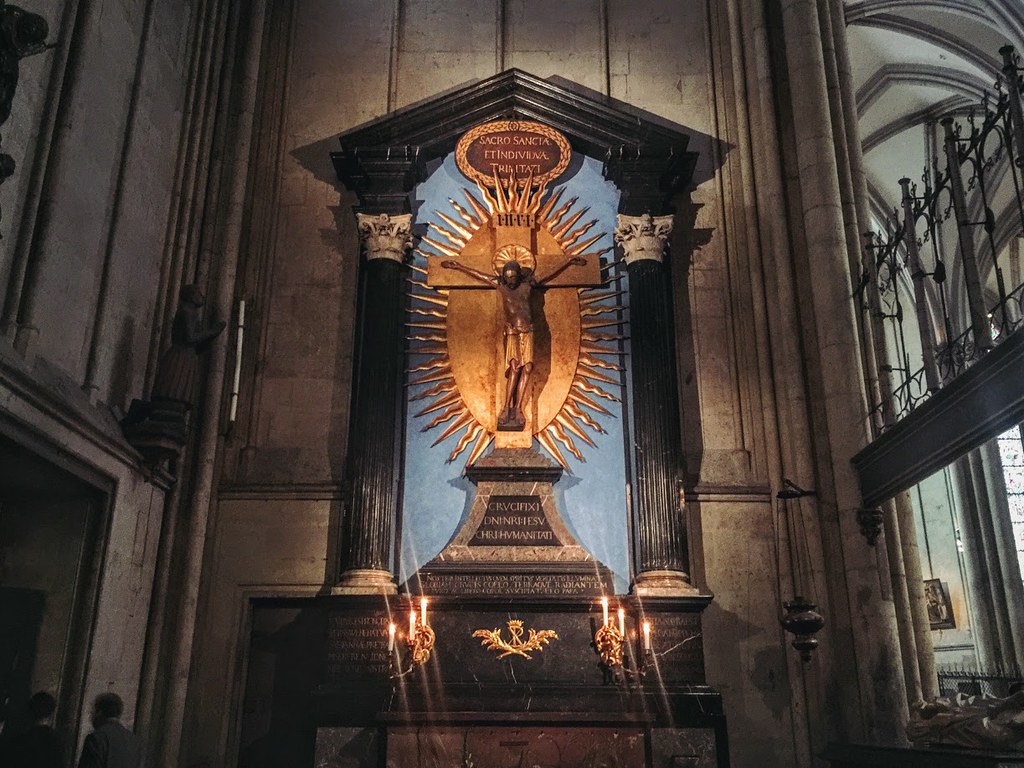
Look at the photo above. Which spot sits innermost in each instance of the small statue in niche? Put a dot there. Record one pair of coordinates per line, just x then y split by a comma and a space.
515, 285
176, 373
21, 34
158, 427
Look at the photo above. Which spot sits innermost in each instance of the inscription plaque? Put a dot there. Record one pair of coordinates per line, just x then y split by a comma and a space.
512, 149
357, 646
679, 645
580, 584
516, 521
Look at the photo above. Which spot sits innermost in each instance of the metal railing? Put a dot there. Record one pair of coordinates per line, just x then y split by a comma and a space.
974, 682
947, 226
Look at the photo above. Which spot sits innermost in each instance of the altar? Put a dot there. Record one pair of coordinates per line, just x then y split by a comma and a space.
514, 586
555, 705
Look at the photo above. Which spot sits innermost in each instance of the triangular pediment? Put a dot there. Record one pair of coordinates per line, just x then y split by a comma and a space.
594, 124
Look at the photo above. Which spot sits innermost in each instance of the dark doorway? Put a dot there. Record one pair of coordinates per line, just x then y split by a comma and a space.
278, 727
50, 534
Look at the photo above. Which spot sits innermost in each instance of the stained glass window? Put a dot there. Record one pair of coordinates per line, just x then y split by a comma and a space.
1011, 454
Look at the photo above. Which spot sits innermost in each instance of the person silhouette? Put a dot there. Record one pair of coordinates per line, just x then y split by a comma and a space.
38, 745
111, 744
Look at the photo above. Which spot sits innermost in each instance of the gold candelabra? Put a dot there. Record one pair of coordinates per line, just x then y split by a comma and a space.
610, 645
610, 642
419, 642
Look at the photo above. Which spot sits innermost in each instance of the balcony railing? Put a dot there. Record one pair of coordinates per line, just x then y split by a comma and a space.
932, 256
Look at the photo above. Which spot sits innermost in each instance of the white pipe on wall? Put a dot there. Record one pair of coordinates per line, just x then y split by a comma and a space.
239, 336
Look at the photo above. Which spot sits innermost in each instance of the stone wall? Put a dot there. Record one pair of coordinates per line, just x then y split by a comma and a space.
757, 401
95, 130
937, 514
264, 547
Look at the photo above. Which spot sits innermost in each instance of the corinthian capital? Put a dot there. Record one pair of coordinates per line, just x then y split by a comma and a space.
643, 237
384, 236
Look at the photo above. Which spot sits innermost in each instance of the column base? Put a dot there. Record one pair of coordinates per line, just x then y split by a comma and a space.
663, 583
365, 581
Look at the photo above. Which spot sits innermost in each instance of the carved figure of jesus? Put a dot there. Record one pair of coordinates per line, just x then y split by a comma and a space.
515, 285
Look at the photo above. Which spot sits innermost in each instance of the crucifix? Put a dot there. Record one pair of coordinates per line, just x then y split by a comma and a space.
515, 285
521, 260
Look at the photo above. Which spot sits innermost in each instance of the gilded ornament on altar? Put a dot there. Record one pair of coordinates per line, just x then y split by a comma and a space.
516, 646
609, 643
384, 236
514, 320
421, 644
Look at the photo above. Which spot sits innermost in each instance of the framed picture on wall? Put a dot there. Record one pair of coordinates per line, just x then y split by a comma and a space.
940, 609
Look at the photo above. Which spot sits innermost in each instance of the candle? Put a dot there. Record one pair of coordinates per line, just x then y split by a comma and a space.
622, 622
412, 625
423, 611
647, 636
391, 637
604, 610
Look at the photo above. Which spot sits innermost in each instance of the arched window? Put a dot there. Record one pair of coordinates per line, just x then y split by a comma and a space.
1011, 454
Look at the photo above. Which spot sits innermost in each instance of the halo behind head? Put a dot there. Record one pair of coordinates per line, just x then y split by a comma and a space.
517, 253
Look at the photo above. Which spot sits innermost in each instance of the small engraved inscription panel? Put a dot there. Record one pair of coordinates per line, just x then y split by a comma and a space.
514, 521
512, 148
508, 584
514, 151
678, 643
357, 646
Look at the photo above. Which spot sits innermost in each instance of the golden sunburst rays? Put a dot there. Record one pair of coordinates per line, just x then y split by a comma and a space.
430, 373
601, 321
598, 370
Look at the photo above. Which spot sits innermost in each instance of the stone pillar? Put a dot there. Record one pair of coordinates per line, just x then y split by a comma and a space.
862, 620
993, 576
661, 537
375, 428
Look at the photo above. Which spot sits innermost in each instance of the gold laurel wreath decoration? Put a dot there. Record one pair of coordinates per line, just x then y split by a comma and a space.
516, 646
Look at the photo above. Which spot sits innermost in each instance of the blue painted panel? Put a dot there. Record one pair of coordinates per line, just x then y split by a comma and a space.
437, 498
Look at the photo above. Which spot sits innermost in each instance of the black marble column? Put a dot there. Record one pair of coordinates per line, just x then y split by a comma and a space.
660, 546
371, 468
661, 531
382, 181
